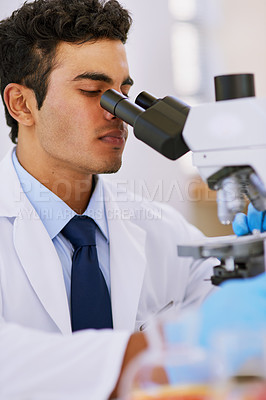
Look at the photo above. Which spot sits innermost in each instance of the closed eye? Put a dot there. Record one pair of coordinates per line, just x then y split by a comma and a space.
94, 93
90, 93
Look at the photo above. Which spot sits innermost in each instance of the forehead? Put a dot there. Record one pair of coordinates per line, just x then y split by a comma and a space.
106, 56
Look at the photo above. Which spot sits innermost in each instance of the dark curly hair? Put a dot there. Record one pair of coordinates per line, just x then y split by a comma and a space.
29, 39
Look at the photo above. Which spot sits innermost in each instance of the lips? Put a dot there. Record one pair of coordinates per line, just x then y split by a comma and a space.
115, 137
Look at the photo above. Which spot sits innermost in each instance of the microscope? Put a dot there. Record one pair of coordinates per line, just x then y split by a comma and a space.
227, 139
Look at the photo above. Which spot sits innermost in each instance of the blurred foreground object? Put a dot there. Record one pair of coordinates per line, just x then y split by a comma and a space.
232, 368
216, 353
171, 373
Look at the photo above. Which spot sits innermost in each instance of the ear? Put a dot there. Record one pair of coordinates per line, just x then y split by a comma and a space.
19, 101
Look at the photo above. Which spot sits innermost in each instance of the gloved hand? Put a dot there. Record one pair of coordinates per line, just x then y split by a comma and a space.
244, 224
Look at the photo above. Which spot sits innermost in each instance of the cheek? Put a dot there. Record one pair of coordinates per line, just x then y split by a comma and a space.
69, 122
85, 118
79, 111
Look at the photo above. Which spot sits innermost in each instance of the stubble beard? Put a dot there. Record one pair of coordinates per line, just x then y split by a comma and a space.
111, 169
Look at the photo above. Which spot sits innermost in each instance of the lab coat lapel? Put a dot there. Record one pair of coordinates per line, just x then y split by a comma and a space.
127, 266
42, 266
41, 263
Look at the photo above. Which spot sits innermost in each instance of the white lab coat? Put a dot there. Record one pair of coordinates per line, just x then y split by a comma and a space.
146, 273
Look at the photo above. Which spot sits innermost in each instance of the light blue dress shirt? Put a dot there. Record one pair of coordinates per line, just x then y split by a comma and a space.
55, 214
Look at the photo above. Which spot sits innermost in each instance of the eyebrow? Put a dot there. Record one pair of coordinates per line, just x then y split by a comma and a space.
98, 76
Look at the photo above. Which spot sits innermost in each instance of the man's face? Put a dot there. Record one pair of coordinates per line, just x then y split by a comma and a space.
71, 128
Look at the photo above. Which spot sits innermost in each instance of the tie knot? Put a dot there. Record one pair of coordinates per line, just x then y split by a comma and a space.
80, 231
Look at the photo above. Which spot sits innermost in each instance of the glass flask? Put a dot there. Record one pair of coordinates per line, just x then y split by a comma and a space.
172, 373
241, 358
233, 368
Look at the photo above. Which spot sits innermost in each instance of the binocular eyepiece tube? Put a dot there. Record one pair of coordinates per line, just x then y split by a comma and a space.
157, 122
119, 105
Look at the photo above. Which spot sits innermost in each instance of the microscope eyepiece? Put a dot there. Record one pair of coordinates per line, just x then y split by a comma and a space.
119, 105
145, 100
110, 99
234, 86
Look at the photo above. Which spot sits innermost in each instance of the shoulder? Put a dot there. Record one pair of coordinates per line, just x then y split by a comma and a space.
150, 215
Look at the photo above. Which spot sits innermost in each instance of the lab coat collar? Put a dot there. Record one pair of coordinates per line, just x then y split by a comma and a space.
13, 200
53, 211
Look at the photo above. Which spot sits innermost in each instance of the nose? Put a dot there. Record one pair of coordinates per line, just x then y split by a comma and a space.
108, 115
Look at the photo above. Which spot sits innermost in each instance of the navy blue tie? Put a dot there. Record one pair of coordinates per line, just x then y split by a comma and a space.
90, 299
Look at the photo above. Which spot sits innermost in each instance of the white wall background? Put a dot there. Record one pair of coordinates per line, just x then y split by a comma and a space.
235, 32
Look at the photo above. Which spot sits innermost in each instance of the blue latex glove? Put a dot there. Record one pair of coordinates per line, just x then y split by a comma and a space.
245, 224
233, 324
238, 307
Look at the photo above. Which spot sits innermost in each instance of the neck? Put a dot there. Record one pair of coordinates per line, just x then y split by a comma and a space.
71, 186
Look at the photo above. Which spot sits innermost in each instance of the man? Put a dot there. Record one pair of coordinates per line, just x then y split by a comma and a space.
57, 59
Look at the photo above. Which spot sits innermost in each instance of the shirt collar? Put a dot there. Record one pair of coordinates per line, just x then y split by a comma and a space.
54, 212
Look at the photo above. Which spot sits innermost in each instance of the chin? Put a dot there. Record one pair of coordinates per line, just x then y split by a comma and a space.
110, 168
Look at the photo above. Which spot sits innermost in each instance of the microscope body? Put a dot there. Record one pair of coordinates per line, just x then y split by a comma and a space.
227, 140
228, 144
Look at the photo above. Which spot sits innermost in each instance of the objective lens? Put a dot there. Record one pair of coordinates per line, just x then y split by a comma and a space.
230, 200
